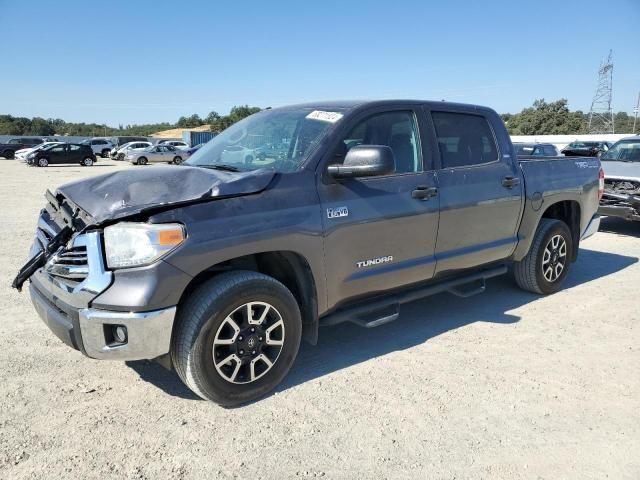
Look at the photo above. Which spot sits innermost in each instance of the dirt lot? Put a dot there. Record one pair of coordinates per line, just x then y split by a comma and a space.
502, 385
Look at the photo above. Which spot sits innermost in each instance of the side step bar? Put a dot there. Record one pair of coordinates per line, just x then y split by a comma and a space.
387, 308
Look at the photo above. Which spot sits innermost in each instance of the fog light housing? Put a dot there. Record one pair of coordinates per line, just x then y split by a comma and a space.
119, 333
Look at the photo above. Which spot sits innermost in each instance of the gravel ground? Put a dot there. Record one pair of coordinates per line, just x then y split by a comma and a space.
501, 385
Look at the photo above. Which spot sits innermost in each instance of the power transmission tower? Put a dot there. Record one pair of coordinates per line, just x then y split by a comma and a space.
601, 115
635, 111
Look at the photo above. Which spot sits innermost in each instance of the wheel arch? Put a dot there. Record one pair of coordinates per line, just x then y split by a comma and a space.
288, 267
565, 209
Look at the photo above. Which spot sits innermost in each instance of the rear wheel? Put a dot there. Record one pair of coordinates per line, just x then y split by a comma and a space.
43, 162
546, 265
8, 154
105, 153
236, 337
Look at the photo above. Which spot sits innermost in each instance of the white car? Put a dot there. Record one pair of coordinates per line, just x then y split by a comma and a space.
121, 152
24, 153
175, 143
237, 154
100, 146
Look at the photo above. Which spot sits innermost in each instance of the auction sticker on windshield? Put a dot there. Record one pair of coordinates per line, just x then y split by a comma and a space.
331, 117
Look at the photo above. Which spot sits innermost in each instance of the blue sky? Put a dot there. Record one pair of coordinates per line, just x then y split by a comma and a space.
150, 61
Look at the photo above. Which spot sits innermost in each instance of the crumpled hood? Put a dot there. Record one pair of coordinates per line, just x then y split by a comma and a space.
128, 192
621, 170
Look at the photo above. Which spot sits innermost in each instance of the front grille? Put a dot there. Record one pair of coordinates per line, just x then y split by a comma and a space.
70, 264
625, 187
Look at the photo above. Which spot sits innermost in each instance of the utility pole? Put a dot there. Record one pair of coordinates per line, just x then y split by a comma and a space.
635, 111
601, 114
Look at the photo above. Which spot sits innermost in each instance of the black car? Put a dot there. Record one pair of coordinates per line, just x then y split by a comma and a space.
585, 149
536, 150
65, 153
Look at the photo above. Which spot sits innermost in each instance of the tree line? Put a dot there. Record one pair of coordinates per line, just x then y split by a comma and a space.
555, 118
542, 118
10, 125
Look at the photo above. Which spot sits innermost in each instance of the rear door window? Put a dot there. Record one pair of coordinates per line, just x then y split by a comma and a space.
464, 139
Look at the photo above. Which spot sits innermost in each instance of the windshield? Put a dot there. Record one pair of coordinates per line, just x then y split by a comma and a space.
279, 140
625, 151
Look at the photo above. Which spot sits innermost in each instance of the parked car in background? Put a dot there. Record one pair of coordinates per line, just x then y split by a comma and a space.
120, 152
585, 149
235, 154
180, 145
119, 141
621, 165
9, 149
194, 149
25, 152
155, 154
536, 150
100, 146
64, 153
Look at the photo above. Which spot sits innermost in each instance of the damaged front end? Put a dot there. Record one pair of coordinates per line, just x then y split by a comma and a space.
621, 198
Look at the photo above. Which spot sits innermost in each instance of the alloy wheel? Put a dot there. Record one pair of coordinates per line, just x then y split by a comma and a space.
248, 342
554, 258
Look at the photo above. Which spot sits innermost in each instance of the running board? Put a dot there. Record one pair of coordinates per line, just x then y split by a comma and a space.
466, 286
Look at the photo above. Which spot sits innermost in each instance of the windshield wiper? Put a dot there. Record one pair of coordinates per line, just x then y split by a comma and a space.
221, 166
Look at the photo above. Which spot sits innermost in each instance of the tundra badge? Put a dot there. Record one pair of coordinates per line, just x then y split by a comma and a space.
374, 261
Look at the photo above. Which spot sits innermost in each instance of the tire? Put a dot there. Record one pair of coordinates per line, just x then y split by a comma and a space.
87, 161
42, 162
204, 317
120, 156
105, 153
177, 160
142, 161
8, 154
532, 272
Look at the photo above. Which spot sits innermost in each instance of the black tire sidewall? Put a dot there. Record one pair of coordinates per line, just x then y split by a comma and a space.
557, 228
214, 386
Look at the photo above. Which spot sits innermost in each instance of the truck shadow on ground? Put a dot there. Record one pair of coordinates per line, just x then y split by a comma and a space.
620, 226
344, 345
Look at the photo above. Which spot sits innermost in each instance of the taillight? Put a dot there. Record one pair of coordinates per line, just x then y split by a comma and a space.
600, 184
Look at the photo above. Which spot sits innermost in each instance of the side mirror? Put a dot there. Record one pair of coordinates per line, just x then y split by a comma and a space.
365, 161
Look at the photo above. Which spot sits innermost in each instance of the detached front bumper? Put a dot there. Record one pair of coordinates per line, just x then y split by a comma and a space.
90, 330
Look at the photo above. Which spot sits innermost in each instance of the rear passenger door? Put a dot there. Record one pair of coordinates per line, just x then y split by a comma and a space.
74, 154
480, 190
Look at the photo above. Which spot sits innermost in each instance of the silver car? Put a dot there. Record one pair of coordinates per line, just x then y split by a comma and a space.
155, 154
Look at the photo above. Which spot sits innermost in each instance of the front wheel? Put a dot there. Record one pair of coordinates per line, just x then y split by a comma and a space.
547, 263
87, 162
105, 153
142, 161
177, 160
43, 162
236, 337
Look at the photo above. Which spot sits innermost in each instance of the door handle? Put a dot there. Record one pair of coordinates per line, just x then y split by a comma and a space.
422, 192
510, 182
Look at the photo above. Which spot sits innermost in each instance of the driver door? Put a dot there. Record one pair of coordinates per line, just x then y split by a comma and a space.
378, 235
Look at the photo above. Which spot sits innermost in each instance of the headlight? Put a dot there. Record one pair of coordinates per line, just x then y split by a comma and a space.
137, 244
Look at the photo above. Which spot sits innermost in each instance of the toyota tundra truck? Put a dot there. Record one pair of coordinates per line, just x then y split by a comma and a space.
218, 268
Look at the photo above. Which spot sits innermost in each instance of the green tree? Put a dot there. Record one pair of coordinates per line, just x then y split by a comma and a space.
544, 118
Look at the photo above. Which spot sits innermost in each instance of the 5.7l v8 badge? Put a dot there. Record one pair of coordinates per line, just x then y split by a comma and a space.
337, 212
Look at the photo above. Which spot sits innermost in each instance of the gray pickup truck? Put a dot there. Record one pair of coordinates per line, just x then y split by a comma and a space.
219, 267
